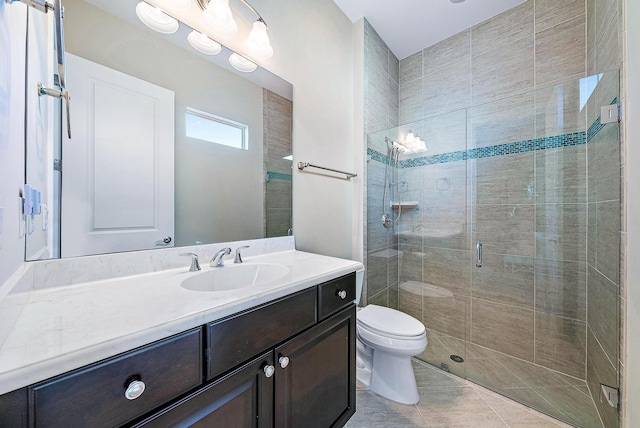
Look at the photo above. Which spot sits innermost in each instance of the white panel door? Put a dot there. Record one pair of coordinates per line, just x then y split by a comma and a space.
117, 169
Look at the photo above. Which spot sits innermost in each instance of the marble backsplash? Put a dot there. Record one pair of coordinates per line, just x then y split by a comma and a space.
44, 274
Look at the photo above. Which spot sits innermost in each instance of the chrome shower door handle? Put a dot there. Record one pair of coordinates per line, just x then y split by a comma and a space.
478, 253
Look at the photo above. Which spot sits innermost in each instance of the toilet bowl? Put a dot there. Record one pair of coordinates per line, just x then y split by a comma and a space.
386, 341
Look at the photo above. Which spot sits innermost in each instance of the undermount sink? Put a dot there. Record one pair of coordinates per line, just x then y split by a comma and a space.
235, 277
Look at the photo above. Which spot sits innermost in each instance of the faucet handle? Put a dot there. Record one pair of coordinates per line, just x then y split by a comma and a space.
195, 266
238, 258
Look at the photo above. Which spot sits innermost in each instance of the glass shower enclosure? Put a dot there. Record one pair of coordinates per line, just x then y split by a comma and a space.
504, 240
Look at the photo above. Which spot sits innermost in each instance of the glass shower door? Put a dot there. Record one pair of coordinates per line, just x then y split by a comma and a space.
418, 262
437, 236
545, 207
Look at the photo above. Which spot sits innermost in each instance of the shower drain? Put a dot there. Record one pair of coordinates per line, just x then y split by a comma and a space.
457, 358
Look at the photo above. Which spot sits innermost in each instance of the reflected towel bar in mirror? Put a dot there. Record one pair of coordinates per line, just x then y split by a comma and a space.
303, 165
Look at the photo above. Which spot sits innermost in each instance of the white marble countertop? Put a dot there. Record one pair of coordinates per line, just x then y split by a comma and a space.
64, 328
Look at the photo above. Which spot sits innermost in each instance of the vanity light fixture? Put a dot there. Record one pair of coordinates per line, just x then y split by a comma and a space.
203, 44
154, 18
258, 41
218, 15
411, 144
220, 24
241, 63
410, 137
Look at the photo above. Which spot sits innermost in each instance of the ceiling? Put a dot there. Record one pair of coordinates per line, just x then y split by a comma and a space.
408, 26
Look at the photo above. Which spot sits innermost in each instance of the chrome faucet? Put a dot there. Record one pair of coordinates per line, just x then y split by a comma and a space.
238, 258
218, 258
195, 266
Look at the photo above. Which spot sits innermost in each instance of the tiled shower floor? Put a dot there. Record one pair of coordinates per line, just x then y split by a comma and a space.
446, 401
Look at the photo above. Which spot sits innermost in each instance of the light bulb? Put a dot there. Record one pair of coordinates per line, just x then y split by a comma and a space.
241, 63
156, 19
203, 44
219, 16
409, 138
258, 41
420, 146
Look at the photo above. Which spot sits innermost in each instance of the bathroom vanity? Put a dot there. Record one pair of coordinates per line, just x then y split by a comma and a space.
280, 354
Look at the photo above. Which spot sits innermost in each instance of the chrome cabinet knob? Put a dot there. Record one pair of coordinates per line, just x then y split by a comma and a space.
342, 294
134, 390
284, 361
269, 370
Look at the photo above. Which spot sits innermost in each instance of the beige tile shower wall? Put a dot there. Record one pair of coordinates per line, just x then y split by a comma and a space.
277, 123
530, 210
381, 71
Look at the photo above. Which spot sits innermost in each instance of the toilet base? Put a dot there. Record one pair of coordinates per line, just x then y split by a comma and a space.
392, 377
388, 375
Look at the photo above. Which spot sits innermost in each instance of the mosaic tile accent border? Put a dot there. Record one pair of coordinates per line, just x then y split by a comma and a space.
278, 176
544, 143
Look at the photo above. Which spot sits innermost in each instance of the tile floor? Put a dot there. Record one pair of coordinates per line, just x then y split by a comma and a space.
446, 401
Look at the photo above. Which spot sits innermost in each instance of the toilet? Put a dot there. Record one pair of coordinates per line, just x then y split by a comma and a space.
386, 341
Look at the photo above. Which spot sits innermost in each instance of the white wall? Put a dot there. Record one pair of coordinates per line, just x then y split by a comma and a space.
13, 24
359, 144
631, 380
312, 40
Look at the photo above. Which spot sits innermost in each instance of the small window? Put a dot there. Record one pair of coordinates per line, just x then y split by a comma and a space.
216, 129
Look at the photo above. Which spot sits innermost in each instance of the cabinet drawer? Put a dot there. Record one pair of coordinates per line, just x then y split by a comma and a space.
95, 395
233, 340
242, 398
336, 294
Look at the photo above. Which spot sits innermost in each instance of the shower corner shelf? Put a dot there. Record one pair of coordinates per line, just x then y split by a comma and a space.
405, 205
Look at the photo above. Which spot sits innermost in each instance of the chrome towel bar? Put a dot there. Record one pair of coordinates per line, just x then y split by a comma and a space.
303, 165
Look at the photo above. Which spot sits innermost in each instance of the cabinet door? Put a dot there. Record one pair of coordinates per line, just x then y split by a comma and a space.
317, 386
241, 399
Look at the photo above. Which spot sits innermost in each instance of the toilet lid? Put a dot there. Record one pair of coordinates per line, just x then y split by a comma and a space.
389, 321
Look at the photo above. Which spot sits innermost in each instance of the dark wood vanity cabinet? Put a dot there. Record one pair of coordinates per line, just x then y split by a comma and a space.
97, 395
242, 398
308, 381
287, 363
316, 386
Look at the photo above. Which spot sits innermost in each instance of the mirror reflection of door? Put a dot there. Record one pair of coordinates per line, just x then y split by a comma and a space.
117, 179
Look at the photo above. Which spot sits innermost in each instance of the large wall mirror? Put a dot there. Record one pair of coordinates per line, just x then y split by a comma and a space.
168, 147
